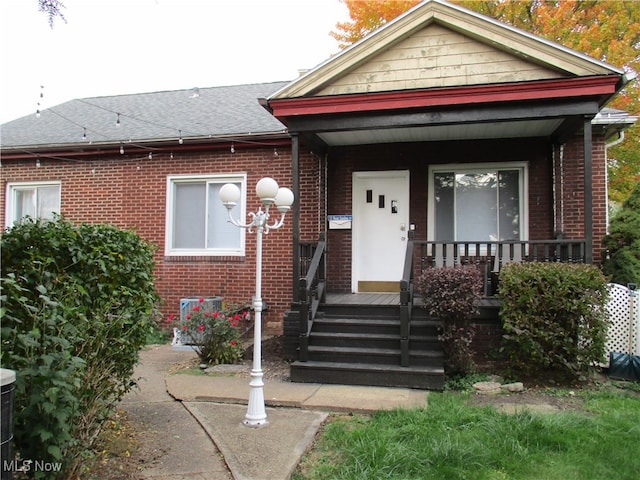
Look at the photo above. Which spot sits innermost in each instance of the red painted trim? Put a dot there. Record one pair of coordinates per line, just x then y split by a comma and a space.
449, 96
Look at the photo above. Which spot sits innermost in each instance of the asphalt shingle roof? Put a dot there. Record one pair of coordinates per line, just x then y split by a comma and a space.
205, 112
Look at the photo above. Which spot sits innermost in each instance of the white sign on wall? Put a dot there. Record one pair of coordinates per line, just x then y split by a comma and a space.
340, 222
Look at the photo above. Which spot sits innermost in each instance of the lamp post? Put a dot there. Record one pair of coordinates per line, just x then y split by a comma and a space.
269, 193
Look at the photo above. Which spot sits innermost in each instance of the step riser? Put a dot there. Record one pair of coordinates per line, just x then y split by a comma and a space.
320, 326
367, 344
373, 378
354, 342
383, 359
350, 340
417, 329
372, 358
362, 311
356, 328
429, 345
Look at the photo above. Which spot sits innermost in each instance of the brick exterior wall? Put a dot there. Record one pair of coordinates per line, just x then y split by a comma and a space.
130, 192
570, 192
416, 157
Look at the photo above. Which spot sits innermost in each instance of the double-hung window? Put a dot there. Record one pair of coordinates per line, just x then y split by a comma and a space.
37, 200
484, 202
197, 221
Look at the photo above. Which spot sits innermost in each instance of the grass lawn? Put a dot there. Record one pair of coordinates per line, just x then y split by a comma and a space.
454, 440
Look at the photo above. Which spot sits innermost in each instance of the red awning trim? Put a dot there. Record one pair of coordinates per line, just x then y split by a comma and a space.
449, 96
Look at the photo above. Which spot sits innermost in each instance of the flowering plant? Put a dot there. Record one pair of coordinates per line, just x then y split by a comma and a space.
213, 334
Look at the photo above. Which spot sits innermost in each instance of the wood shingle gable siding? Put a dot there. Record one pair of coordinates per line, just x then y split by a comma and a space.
437, 57
520, 55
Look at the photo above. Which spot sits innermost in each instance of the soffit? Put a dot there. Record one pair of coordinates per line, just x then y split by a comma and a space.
521, 129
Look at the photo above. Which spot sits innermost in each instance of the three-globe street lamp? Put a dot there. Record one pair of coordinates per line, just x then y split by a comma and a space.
269, 193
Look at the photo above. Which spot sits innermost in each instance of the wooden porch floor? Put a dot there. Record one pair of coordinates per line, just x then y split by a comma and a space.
363, 298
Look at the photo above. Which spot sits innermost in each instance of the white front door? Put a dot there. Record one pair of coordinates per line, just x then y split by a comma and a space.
380, 230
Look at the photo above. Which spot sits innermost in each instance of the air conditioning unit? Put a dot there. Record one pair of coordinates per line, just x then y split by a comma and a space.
183, 342
211, 304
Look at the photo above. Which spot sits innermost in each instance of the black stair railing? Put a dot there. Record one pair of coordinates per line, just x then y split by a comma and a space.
406, 301
312, 293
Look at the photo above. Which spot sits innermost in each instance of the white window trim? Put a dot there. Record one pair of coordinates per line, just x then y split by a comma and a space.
204, 252
12, 187
480, 168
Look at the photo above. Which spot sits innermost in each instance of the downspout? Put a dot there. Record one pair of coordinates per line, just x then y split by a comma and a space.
615, 142
558, 191
323, 192
588, 190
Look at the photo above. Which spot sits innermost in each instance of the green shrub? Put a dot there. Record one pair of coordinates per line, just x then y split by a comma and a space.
623, 242
78, 303
451, 295
554, 318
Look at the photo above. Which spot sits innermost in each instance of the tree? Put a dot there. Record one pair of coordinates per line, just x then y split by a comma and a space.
367, 16
606, 30
624, 166
51, 8
623, 242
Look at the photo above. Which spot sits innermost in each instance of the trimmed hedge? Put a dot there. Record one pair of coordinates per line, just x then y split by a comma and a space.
451, 294
78, 303
554, 317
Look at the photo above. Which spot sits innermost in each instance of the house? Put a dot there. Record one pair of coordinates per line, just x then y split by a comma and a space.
443, 138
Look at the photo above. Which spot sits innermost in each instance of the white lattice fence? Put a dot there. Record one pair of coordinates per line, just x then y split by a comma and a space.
624, 314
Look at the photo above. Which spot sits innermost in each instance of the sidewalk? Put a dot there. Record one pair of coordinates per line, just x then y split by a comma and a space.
209, 411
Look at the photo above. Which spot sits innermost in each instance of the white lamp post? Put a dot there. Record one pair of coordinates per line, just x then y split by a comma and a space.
269, 193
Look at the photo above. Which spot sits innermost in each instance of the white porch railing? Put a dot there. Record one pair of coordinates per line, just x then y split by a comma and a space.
490, 257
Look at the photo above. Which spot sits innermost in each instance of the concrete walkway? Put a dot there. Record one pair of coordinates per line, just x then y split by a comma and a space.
201, 417
188, 452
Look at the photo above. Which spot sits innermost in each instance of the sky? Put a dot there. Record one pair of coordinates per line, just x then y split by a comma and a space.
114, 47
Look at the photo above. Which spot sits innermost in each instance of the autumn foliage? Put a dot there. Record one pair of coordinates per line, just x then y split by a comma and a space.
605, 30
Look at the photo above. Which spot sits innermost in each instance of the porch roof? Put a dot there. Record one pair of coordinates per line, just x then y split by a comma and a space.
442, 72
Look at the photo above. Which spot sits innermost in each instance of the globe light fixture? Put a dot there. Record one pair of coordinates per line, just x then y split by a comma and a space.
269, 193
229, 194
267, 189
284, 200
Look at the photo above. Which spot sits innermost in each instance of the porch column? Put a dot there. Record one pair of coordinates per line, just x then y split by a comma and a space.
295, 185
588, 190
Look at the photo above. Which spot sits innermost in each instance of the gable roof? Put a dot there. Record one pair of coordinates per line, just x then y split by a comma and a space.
429, 19
192, 114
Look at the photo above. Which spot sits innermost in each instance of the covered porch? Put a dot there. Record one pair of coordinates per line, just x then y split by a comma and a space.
386, 338
445, 138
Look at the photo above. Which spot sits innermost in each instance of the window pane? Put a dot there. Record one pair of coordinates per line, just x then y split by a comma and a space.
189, 215
25, 203
48, 201
509, 201
443, 184
220, 232
476, 201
